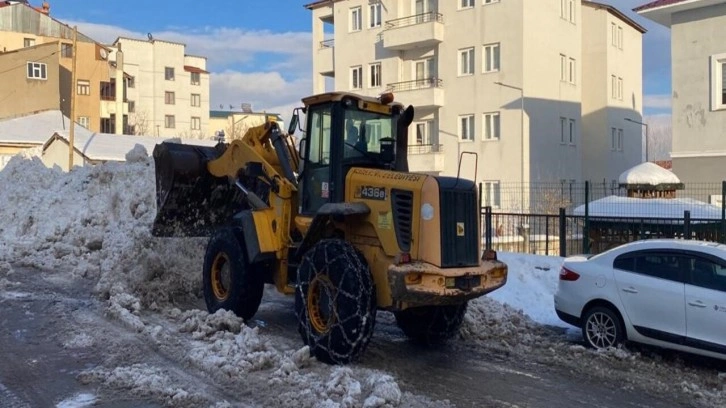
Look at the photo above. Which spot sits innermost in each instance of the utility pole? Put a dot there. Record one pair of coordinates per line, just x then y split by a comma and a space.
71, 133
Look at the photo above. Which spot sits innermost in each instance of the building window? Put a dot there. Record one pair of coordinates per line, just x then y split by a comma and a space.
196, 100
620, 140
572, 131
356, 77
571, 11
169, 98
572, 71
169, 73
108, 125
169, 121
491, 126
83, 87
131, 82
563, 67
718, 81
617, 35
563, 129
490, 1
463, 4
616, 83
375, 15
613, 139
108, 90
195, 78
356, 19
423, 133
132, 106
66, 50
196, 123
491, 57
466, 61
466, 127
28, 42
375, 77
492, 195
84, 121
620, 88
37, 70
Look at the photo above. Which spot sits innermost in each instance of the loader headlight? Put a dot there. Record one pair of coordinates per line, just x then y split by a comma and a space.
427, 211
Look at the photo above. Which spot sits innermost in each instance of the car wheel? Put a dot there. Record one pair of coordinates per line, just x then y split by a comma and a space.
602, 328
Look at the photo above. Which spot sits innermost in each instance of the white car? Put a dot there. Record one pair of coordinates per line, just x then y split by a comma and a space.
666, 293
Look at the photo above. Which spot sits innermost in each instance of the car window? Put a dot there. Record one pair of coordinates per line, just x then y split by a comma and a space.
706, 273
625, 263
659, 265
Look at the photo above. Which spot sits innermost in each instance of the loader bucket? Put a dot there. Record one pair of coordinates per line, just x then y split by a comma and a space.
190, 202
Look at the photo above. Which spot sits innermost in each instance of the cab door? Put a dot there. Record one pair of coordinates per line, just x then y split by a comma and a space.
316, 182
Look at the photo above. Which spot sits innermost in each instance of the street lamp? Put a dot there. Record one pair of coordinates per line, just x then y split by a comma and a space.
646, 135
521, 128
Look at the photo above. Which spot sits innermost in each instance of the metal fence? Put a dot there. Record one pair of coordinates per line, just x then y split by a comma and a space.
562, 224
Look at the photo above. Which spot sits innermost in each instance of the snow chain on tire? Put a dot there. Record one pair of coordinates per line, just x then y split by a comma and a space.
431, 325
335, 301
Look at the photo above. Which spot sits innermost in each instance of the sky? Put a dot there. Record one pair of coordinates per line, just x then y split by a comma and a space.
260, 52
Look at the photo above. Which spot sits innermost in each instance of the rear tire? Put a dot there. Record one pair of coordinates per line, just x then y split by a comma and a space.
602, 328
229, 282
431, 325
335, 301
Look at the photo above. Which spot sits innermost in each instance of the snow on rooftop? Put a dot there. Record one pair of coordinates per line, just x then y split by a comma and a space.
105, 147
614, 206
648, 173
35, 129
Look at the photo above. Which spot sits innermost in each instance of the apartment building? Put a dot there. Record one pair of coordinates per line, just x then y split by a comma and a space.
505, 91
24, 32
698, 63
167, 90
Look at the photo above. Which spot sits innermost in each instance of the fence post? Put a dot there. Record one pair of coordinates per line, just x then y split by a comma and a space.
586, 229
547, 235
481, 207
687, 224
723, 212
488, 226
563, 233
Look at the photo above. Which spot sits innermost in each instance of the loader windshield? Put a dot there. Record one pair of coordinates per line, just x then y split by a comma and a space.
363, 133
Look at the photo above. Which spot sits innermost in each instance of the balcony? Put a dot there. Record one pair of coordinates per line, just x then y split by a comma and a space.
421, 30
325, 58
421, 93
427, 158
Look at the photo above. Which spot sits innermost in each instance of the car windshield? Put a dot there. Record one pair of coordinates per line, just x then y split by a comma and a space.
364, 131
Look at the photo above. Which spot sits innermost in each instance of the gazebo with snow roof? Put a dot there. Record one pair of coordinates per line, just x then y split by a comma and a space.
649, 180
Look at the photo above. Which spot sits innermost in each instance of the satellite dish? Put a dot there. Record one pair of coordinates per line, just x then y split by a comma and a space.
103, 53
150, 37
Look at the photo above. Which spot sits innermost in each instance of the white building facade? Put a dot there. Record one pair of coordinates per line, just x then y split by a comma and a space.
469, 67
167, 90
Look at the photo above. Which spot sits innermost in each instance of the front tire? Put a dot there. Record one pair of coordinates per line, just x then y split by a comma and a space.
229, 281
335, 301
431, 325
602, 328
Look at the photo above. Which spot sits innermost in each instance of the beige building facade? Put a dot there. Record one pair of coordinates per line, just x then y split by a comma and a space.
513, 90
168, 92
698, 63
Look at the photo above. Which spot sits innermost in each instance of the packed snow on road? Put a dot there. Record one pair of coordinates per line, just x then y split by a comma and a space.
93, 225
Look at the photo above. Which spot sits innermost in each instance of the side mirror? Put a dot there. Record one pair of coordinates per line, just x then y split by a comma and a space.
301, 147
293, 123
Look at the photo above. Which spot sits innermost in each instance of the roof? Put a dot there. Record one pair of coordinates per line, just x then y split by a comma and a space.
627, 207
110, 147
34, 128
190, 68
661, 11
226, 114
648, 173
318, 3
149, 41
615, 12
337, 96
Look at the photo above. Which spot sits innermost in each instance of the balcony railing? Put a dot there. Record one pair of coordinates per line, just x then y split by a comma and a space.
425, 148
327, 44
416, 84
417, 19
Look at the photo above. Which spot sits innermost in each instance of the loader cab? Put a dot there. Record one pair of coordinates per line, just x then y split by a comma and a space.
343, 131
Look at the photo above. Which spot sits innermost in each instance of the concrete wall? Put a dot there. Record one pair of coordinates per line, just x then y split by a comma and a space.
20, 95
699, 146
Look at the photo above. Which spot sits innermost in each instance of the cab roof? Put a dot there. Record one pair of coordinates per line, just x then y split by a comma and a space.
338, 96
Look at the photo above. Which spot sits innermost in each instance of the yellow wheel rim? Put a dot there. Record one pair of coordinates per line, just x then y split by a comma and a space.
321, 306
221, 276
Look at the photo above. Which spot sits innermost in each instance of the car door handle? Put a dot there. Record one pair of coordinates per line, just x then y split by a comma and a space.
697, 303
630, 290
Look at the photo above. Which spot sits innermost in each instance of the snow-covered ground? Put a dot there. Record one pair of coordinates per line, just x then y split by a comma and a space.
93, 223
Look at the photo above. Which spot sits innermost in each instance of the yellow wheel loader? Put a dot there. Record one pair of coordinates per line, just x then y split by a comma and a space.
338, 222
